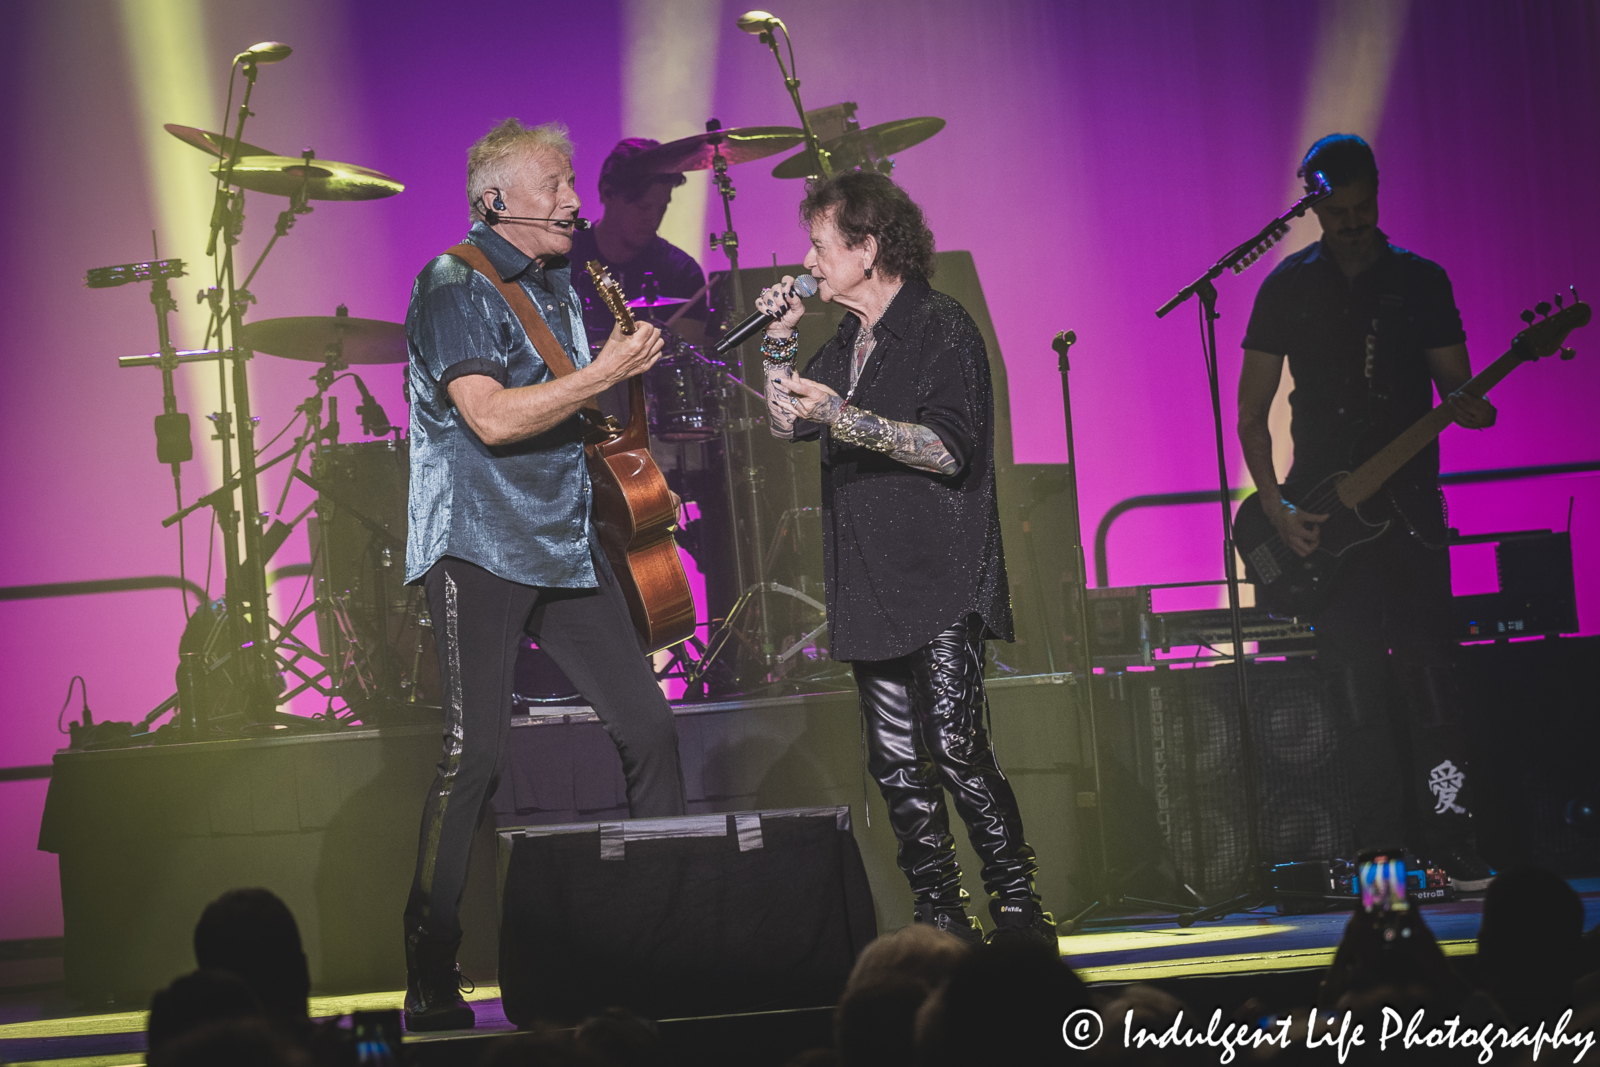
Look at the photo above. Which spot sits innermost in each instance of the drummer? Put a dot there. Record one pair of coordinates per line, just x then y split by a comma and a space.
625, 240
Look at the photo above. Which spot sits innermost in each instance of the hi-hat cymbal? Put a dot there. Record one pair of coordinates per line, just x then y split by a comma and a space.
859, 148
309, 338
324, 179
213, 143
738, 145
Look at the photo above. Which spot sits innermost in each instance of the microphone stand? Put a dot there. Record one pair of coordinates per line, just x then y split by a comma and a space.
1258, 885
1110, 893
819, 155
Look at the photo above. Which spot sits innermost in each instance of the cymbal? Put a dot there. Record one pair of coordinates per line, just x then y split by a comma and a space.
282, 175
864, 147
739, 145
308, 338
213, 143
639, 303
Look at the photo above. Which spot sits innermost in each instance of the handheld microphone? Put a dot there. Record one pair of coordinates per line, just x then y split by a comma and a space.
804, 286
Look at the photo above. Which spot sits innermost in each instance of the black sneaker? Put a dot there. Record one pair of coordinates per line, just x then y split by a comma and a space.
1469, 873
952, 920
1023, 919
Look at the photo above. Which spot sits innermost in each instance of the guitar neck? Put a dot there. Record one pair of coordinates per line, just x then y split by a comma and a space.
1368, 478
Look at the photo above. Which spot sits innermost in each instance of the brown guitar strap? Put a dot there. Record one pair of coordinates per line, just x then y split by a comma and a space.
544, 342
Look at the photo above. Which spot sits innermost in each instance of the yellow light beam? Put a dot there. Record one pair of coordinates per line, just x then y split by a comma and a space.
1348, 84
168, 57
668, 82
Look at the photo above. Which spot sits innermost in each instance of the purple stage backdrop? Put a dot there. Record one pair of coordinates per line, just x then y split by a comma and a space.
1097, 157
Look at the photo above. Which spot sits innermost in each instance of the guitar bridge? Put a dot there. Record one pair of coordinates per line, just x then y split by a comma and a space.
1266, 566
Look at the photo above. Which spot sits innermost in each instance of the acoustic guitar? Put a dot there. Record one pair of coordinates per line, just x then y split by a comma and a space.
1293, 586
633, 509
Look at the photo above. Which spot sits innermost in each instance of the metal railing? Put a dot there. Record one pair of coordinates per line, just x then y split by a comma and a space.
1209, 496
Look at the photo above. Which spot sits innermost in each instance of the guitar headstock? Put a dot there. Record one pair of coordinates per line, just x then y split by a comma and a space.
1543, 337
611, 293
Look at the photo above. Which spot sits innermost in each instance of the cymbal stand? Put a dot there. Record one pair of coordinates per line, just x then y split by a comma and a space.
299, 204
756, 579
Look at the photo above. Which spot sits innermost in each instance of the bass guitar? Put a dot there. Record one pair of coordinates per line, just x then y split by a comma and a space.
1290, 585
634, 513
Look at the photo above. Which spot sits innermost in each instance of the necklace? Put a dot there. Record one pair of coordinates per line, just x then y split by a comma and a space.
861, 350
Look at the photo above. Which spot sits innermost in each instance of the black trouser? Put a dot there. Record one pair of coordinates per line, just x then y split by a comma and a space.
1388, 662
478, 622
924, 723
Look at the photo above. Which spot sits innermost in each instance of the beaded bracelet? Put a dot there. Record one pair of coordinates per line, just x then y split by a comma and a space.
780, 349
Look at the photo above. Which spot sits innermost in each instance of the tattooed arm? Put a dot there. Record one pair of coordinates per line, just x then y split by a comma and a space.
911, 443
780, 405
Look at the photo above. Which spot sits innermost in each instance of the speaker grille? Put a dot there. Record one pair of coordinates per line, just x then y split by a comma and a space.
1196, 766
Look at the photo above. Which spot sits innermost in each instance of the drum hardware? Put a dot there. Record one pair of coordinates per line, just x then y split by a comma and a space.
293, 176
868, 149
539, 682
336, 338
645, 303
213, 143
234, 659
703, 151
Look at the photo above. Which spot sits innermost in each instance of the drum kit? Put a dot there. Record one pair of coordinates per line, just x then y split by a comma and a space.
237, 664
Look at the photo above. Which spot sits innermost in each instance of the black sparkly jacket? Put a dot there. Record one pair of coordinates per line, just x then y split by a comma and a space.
909, 553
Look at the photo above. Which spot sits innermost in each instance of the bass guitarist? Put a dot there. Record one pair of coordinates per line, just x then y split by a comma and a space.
1370, 330
501, 536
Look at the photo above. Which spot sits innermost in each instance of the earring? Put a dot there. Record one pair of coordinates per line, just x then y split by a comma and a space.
867, 270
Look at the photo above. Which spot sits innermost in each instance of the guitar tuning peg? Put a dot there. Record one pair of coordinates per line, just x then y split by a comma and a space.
1558, 300
1542, 307
1527, 317
1568, 353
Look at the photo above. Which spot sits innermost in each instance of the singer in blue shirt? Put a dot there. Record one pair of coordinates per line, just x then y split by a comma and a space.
500, 535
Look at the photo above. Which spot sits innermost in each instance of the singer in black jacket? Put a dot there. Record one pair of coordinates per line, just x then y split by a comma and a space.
915, 572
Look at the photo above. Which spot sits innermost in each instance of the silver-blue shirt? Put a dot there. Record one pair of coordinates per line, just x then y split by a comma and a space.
519, 511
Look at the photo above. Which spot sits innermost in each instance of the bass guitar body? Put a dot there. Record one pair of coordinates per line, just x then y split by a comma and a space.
1290, 586
635, 517
1287, 584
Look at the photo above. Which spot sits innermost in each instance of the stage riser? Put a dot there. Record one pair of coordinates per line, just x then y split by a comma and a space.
150, 836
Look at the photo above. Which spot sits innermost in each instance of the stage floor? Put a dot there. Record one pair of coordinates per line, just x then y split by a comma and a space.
43, 1027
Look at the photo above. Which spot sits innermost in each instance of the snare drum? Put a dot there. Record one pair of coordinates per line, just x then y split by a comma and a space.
683, 393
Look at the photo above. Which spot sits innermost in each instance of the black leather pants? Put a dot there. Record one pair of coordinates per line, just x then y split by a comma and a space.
925, 735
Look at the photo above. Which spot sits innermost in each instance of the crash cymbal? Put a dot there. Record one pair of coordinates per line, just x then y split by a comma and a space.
739, 145
308, 338
859, 148
325, 179
639, 303
213, 143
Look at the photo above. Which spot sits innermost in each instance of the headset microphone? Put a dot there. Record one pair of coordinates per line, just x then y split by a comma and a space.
492, 217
